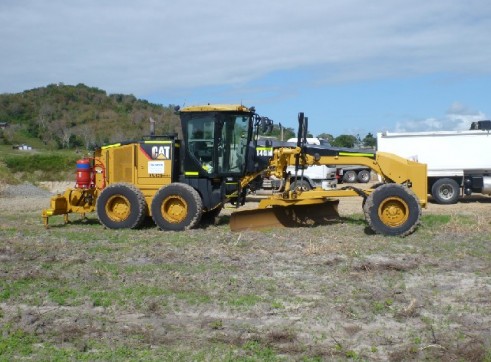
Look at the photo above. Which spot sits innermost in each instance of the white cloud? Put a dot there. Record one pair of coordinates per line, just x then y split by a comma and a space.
160, 46
457, 118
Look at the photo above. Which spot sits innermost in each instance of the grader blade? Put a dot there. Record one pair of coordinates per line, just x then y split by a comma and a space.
285, 216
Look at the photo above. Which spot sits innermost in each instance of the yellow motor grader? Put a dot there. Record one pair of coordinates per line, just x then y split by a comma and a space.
180, 181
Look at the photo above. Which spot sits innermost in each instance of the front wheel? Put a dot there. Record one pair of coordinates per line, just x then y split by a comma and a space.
177, 207
445, 191
392, 209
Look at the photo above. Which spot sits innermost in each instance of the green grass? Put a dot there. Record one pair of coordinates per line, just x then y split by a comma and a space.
15, 342
431, 221
52, 166
47, 162
247, 300
39, 165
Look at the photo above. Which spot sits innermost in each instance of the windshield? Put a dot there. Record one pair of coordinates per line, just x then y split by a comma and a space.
232, 144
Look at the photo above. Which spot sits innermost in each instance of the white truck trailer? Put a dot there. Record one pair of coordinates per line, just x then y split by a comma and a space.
459, 162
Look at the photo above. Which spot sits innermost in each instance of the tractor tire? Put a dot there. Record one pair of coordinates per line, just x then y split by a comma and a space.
349, 176
445, 191
393, 210
177, 207
363, 176
300, 185
121, 206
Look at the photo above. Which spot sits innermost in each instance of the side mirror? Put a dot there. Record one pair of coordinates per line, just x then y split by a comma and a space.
266, 125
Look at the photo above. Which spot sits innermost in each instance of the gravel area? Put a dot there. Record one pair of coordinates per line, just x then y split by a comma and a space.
26, 190
29, 197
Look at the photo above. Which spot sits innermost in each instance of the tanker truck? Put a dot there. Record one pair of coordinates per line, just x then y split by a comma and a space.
459, 162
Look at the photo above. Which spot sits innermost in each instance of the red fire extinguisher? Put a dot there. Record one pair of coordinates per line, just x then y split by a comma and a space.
84, 179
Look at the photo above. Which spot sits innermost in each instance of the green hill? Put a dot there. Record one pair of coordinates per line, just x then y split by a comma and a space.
62, 116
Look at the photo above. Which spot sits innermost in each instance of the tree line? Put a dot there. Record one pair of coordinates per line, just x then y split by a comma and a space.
344, 140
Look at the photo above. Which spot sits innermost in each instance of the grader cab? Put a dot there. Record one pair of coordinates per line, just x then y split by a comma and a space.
177, 182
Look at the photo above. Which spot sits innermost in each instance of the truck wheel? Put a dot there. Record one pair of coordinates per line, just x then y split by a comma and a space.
364, 176
349, 176
177, 207
445, 191
121, 206
300, 185
392, 209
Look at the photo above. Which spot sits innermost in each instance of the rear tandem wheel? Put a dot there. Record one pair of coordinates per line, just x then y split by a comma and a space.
363, 176
445, 191
177, 207
349, 176
392, 209
121, 206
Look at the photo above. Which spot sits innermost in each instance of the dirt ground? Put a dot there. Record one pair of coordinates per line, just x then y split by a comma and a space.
335, 292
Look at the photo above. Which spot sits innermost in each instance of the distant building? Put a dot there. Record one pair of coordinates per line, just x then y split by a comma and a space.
22, 147
4, 125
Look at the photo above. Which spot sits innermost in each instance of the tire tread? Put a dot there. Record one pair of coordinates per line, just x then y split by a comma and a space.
370, 210
181, 189
140, 203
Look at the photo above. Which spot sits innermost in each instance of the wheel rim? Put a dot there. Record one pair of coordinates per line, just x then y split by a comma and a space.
393, 211
174, 209
118, 208
446, 192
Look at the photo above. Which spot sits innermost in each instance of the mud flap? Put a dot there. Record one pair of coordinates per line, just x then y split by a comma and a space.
285, 216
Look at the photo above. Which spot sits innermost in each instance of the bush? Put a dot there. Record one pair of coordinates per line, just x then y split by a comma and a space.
41, 167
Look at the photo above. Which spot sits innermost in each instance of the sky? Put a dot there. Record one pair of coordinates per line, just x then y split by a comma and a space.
352, 66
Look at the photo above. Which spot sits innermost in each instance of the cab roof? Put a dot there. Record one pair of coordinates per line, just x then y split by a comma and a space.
217, 107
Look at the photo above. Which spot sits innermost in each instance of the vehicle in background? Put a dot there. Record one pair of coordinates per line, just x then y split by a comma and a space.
308, 178
352, 174
459, 162
346, 174
312, 141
